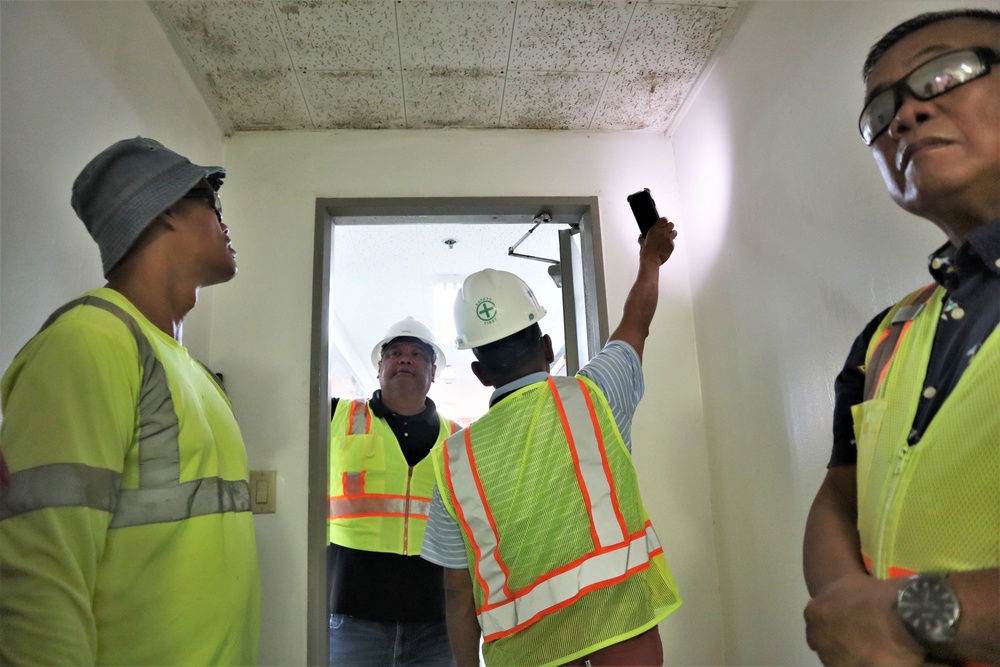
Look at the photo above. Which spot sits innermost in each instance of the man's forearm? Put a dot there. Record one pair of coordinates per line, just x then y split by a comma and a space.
979, 624
460, 614
831, 547
640, 305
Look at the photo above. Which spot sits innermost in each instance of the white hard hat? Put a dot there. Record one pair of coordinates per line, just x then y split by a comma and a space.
492, 305
409, 328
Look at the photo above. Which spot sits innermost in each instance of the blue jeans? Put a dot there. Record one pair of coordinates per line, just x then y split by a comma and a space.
359, 642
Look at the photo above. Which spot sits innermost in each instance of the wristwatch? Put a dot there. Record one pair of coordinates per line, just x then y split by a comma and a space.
929, 609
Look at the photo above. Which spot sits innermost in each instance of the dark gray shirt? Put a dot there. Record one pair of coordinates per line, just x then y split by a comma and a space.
970, 275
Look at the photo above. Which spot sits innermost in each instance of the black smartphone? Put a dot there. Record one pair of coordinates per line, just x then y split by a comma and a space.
644, 209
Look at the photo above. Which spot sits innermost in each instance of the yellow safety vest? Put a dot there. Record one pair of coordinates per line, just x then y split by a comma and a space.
377, 502
563, 558
935, 505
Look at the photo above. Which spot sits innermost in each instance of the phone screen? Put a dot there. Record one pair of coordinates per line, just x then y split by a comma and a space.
644, 209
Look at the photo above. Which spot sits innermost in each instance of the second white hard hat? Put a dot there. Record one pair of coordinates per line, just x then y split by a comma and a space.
492, 305
409, 328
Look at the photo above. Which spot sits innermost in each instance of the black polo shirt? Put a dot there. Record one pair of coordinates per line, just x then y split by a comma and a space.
970, 275
384, 586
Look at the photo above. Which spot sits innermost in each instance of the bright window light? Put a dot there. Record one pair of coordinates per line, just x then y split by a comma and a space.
444, 309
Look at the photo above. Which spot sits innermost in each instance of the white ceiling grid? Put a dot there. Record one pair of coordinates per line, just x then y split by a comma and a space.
377, 64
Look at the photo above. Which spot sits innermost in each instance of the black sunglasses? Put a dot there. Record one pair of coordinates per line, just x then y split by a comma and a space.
210, 197
935, 77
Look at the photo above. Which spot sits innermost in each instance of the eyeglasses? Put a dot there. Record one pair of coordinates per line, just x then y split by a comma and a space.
210, 197
935, 77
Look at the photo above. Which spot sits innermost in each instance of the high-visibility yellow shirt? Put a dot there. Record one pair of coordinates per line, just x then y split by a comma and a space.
127, 534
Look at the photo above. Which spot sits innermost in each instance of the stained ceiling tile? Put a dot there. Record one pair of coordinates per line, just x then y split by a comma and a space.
708, 3
354, 100
371, 64
452, 98
260, 99
575, 36
551, 100
226, 36
340, 35
644, 101
671, 38
455, 35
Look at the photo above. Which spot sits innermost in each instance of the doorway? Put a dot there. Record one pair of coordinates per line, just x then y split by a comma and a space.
413, 248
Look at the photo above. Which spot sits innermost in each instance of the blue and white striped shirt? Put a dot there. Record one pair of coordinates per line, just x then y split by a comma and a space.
617, 372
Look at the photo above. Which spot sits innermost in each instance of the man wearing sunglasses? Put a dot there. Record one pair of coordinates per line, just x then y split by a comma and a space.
902, 544
125, 522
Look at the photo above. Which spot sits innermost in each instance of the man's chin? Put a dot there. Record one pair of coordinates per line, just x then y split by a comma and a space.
410, 380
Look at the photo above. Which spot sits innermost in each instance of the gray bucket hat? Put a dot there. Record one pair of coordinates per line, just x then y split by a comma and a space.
126, 186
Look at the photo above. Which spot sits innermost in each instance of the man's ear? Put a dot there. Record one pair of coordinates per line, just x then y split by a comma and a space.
167, 217
434, 370
550, 356
482, 373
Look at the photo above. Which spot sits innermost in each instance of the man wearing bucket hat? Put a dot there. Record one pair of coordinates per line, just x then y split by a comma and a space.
386, 603
537, 516
125, 520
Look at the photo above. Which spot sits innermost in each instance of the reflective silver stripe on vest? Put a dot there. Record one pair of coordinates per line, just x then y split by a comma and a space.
607, 523
359, 423
358, 506
161, 496
594, 570
474, 514
354, 483
908, 313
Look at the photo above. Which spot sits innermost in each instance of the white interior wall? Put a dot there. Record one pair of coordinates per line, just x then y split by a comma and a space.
787, 237
261, 329
794, 245
76, 77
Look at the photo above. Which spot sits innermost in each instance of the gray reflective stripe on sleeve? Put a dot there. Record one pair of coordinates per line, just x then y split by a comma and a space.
78, 485
566, 585
607, 523
209, 495
161, 496
59, 485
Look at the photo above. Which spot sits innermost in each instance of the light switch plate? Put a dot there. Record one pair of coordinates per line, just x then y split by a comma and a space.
264, 491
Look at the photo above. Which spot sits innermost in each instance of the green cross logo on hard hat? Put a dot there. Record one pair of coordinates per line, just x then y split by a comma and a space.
486, 310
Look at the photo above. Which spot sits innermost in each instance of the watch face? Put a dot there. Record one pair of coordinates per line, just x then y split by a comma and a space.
929, 608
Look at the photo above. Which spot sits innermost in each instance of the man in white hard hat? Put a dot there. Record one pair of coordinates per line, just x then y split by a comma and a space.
550, 555
386, 603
